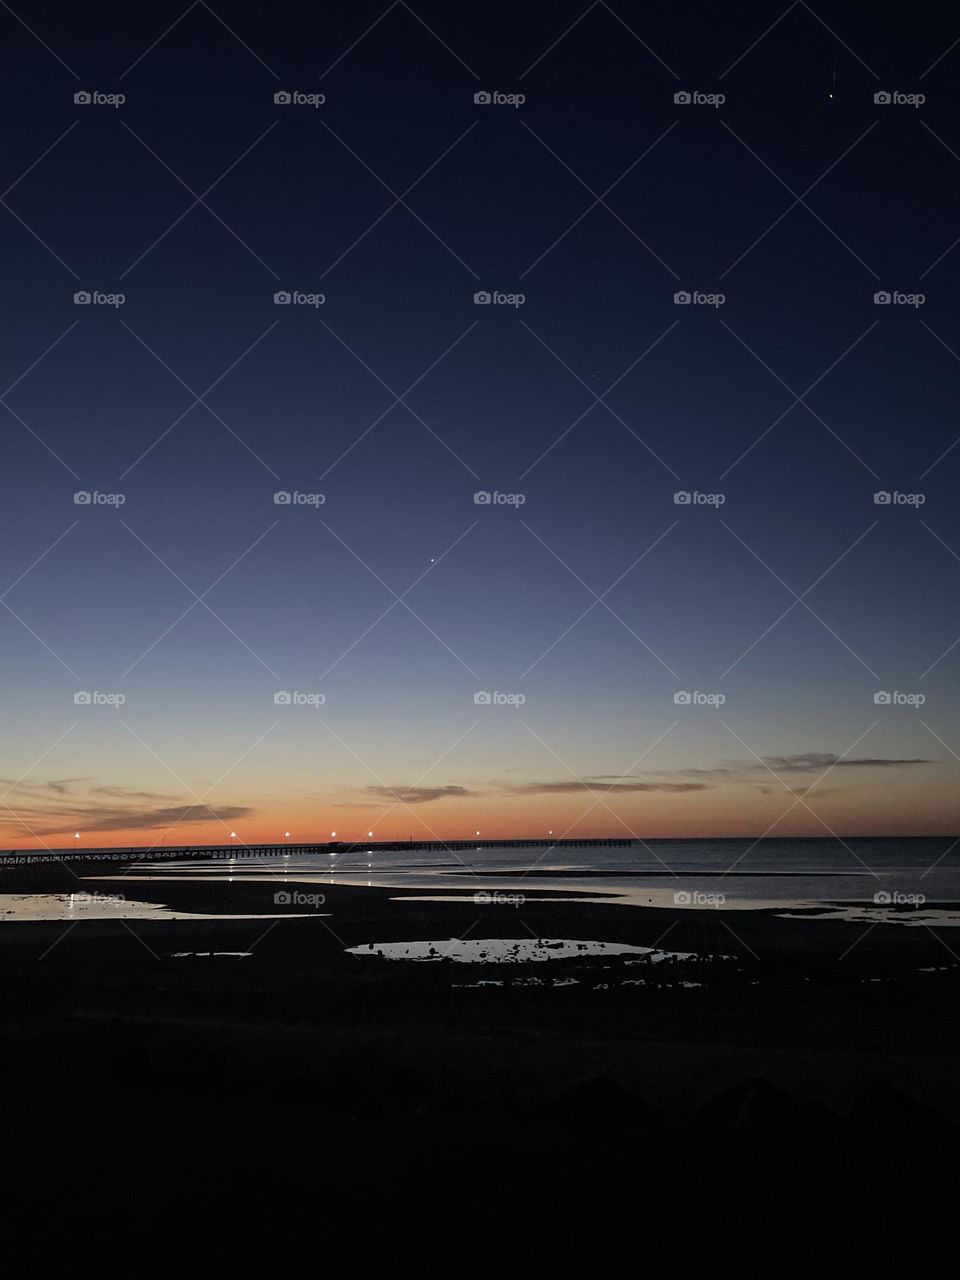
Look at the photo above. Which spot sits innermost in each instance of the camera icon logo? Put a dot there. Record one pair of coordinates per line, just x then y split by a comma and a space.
681, 898
482, 298
881, 498
82, 98
282, 98
482, 98
482, 498
882, 898
682, 698
282, 898
81, 298
682, 98
482, 898
882, 98
681, 498
482, 699
882, 699
281, 298
82, 699
682, 298
882, 298
282, 699
82, 498
281, 498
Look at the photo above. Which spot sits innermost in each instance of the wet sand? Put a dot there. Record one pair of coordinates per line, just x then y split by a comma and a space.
791, 1069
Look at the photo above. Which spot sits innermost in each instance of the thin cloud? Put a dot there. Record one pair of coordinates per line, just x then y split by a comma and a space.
150, 819
419, 795
576, 787
813, 761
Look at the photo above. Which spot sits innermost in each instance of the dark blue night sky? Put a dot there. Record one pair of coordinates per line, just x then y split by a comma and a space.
600, 600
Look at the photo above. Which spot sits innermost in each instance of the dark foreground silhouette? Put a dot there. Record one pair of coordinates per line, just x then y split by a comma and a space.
301, 1107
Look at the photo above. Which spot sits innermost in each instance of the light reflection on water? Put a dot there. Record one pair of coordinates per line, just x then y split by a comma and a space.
509, 950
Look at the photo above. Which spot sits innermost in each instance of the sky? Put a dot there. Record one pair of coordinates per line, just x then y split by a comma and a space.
391, 557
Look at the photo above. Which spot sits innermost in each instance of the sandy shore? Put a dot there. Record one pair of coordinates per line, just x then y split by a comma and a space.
606, 1091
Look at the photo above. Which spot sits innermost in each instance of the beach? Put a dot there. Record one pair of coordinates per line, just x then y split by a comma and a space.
587, 1058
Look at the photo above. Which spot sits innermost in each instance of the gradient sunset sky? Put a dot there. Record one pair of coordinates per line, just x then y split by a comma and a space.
599, 598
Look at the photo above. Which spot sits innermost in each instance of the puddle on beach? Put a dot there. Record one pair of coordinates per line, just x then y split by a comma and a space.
510, 950
874, 914
183, 955
68, 908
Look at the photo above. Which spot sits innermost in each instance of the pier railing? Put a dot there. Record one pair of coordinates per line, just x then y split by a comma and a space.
156, 853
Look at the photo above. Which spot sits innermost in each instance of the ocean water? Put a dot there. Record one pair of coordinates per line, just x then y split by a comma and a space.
908, 881
737, 874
